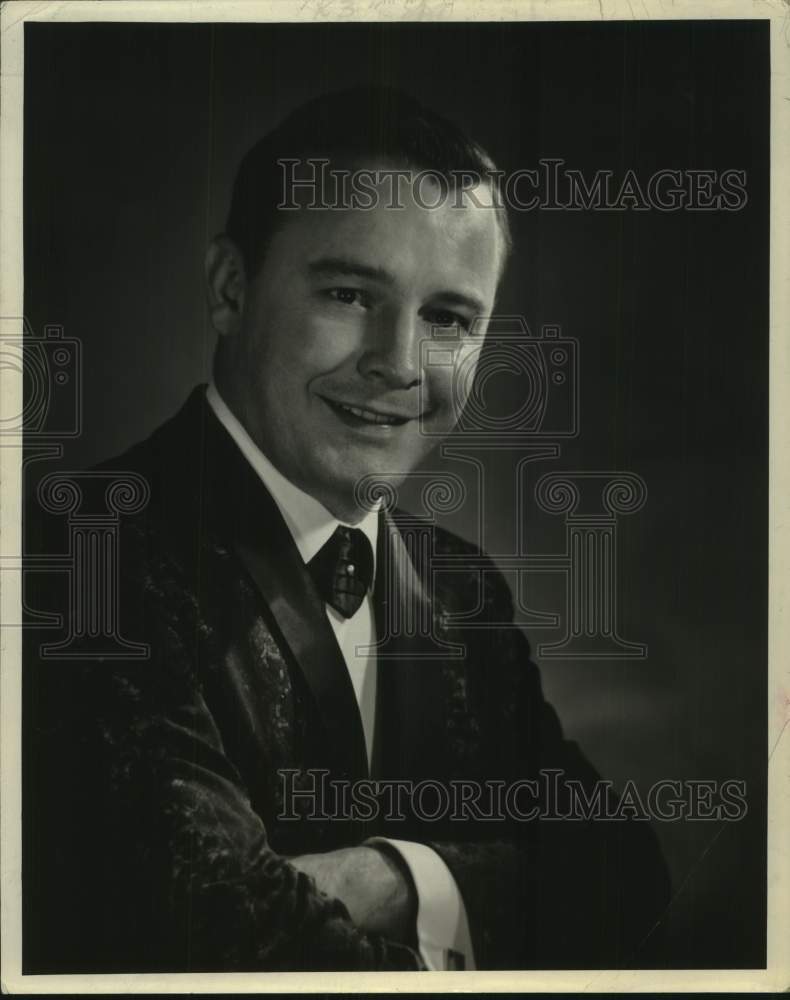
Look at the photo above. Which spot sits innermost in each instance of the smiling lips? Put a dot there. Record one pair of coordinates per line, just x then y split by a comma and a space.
370, 416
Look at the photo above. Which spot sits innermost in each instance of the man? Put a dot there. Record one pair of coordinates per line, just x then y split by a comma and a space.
174, 817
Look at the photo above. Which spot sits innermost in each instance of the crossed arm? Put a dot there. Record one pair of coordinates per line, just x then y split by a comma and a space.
144, 853
148, 855
375, 890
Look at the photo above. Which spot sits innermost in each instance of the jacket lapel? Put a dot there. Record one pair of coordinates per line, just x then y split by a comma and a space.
413, 655
241, 508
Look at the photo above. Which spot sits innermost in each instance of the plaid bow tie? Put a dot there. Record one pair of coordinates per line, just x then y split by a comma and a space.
343, 569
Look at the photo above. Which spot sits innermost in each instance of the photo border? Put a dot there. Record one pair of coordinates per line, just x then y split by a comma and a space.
776, 976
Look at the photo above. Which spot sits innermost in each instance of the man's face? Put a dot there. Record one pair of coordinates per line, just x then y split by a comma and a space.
326, 367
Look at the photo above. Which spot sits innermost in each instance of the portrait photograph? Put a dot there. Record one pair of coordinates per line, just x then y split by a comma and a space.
393, 462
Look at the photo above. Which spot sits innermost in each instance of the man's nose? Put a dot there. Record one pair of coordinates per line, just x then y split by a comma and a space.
392, 353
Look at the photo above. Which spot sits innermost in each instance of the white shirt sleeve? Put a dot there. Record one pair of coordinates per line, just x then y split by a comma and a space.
442, 925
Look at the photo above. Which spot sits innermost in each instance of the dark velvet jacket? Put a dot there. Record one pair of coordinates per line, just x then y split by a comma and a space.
154, 837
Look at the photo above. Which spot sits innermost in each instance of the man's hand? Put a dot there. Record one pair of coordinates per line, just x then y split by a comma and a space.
377, 891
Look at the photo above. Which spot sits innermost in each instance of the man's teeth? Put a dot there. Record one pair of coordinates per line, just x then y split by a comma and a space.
370, 416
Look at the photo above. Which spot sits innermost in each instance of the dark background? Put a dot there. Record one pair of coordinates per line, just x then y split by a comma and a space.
132, 136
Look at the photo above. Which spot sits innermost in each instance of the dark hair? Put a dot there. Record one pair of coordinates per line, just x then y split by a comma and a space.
360, 124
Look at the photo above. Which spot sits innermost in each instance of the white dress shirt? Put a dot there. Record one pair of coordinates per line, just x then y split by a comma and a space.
442, 924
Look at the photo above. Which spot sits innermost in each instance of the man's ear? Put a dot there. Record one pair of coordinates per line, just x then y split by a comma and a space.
226, 281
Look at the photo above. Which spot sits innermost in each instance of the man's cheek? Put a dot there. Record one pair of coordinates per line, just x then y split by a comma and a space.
448, 397
327, 335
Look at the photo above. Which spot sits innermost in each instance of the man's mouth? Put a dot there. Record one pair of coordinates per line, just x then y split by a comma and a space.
364, 415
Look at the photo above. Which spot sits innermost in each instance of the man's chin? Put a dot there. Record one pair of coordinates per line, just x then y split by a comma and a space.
364, 488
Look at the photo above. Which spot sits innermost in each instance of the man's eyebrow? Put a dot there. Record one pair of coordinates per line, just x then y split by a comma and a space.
349, 268
459, 299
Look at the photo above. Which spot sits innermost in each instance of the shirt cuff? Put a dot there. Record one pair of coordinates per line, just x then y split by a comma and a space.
442, 926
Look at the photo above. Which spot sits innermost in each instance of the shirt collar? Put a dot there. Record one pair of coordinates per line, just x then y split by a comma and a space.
309, 522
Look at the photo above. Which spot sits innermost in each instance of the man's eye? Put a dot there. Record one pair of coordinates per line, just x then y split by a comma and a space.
347, 296
444, 318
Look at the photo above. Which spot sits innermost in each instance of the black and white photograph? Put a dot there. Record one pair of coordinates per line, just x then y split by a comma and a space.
392, 450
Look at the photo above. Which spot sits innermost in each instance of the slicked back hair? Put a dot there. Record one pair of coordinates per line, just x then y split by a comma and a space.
358, 127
